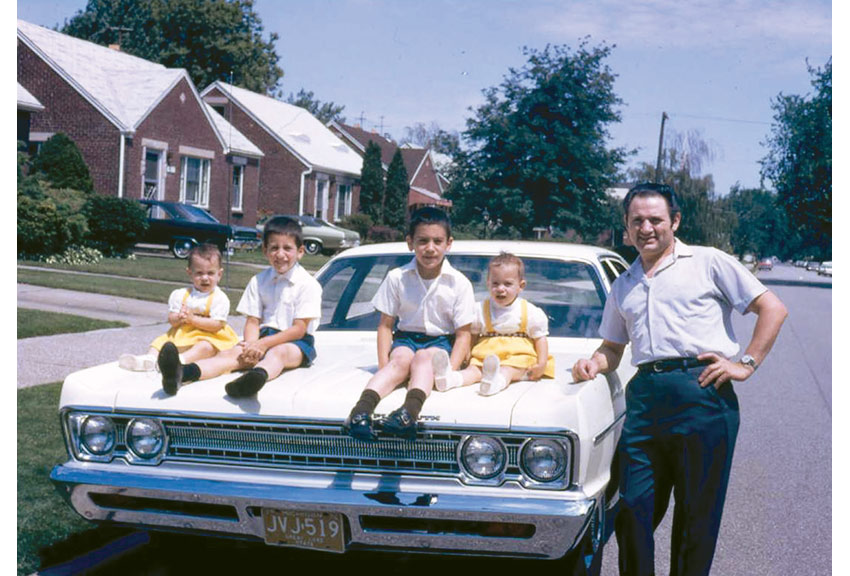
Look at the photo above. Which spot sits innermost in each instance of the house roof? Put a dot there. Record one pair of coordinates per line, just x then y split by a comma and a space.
296, 129
27, 101
124, 88
422, 196
235, 141
360, 138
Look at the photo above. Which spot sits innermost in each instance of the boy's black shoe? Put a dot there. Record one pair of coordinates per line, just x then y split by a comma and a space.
400, 423
246, 385
168, 361
359, 426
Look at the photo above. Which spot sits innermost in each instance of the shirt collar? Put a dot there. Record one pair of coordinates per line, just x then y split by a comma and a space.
286, 275
680, 250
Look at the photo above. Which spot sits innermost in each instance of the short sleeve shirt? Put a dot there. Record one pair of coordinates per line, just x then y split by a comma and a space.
280, 299
197, 302
437, 308
684, 310
507, 319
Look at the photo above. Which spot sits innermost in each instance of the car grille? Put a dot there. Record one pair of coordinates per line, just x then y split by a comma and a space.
314, 446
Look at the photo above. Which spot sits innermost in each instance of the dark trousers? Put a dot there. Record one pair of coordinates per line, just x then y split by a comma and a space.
677, 438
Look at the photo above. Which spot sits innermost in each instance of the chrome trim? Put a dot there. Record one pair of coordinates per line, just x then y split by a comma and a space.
133, 457
176, 498
556, 483
608, 429
468, 477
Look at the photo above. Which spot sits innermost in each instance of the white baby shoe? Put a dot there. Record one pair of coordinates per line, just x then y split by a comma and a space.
444, 377
492, 380
141, 363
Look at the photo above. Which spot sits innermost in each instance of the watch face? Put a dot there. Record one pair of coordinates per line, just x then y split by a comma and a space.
748, 360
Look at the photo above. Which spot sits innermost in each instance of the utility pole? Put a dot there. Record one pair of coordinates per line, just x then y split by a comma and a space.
664, 117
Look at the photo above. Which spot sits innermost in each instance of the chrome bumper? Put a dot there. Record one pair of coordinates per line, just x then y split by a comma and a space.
435, 515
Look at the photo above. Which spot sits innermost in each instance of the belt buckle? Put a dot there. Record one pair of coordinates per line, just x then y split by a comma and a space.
657, 367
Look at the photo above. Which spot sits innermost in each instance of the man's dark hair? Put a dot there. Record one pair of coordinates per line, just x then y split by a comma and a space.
429, 215
204, 251
283, 225
650, 188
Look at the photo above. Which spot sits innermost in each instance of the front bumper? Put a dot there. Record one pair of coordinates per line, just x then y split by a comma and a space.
434, 515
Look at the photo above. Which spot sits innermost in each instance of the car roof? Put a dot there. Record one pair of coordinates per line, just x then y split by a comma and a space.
493, 247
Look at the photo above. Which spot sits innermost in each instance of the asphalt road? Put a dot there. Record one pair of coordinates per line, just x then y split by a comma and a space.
778, 515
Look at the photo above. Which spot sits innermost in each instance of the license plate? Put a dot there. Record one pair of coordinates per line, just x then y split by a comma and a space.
302, 529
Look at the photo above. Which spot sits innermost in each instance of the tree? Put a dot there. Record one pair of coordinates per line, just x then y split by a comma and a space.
432, 137
799, 162
538, 153
396, 193
59, 162
372, 184
760, 226
211, 39
324, 111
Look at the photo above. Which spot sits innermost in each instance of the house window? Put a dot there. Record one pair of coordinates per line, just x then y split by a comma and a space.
321, 199
342, 207
152, 188
195, 181
236, 192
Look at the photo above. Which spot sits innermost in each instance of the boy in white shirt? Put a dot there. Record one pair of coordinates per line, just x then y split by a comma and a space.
434, 306
198, 315
511, 336
283, 304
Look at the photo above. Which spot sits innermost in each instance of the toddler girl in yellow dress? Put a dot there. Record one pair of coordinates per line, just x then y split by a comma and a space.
198, 315
511, 341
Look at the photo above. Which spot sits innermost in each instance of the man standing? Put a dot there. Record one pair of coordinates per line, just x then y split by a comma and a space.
674, 305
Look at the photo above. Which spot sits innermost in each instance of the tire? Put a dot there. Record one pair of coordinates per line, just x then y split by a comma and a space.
312, 247
181, 248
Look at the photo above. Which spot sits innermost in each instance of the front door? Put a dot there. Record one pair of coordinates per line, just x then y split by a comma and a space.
153, 182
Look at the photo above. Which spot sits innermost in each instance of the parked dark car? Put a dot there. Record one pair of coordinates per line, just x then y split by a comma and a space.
765, 264
181, 227
320, 235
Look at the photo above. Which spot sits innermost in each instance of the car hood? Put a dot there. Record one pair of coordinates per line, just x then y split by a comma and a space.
328, 390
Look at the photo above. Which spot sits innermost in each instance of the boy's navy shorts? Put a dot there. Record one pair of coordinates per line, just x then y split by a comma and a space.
305, 344
418, 341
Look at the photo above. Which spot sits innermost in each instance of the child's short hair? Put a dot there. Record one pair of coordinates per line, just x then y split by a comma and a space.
429, 215
204, 251
285, 225
507, 259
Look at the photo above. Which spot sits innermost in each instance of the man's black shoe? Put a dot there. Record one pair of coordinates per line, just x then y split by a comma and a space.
400, 423
359, 427
168, 361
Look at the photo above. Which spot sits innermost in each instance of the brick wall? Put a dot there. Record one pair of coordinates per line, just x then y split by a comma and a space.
66, 111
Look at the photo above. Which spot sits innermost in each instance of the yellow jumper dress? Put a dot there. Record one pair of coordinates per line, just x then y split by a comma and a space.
516, 350
185, 336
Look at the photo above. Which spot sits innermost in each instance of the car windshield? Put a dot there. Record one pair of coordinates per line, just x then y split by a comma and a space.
195, 214
570, 293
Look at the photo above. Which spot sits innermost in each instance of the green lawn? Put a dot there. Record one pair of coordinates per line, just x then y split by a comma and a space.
127, 278
43, 516
41, 323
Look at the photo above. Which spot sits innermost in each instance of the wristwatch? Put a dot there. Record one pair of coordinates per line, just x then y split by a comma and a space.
748, 360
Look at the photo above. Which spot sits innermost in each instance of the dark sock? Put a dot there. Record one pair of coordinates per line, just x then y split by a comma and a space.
369, 399
191, 372
413, 402
248, 384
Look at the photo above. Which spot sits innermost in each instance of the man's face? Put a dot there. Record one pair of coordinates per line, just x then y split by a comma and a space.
282, 252
429, 244
649, 227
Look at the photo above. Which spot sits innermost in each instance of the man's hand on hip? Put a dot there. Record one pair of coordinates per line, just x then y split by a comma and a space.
722, 370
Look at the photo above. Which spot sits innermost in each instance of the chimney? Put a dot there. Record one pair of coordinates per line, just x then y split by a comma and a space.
116, 47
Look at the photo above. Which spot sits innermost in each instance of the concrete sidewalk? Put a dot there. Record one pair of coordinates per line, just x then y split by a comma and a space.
51, 358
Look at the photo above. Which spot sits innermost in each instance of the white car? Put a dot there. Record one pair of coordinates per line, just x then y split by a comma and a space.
524, 473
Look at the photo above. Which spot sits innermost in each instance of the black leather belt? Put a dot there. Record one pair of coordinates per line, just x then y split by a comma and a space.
670, 364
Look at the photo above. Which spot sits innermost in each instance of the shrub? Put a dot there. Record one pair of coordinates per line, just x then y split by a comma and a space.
360, 223
69, 204
61, 163
115, 224
41, 229
383, 234
76, 255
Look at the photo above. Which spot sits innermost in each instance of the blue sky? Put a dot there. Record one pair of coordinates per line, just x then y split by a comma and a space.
713, 66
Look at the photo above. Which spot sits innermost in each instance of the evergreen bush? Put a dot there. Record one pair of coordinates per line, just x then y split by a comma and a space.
115, 224
61, 163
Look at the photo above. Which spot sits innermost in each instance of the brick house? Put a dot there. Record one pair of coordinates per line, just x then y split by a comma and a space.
426, 183
306, 168
27, 104
142, 128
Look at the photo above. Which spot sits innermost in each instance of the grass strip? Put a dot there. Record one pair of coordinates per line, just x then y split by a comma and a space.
42, 323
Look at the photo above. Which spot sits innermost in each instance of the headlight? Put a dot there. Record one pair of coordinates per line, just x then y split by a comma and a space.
97, 435
544, 460
145, 438
483, 457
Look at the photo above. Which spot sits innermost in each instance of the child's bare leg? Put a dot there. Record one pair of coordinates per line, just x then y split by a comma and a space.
393, 373
199, 351
402, 421
421, 371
